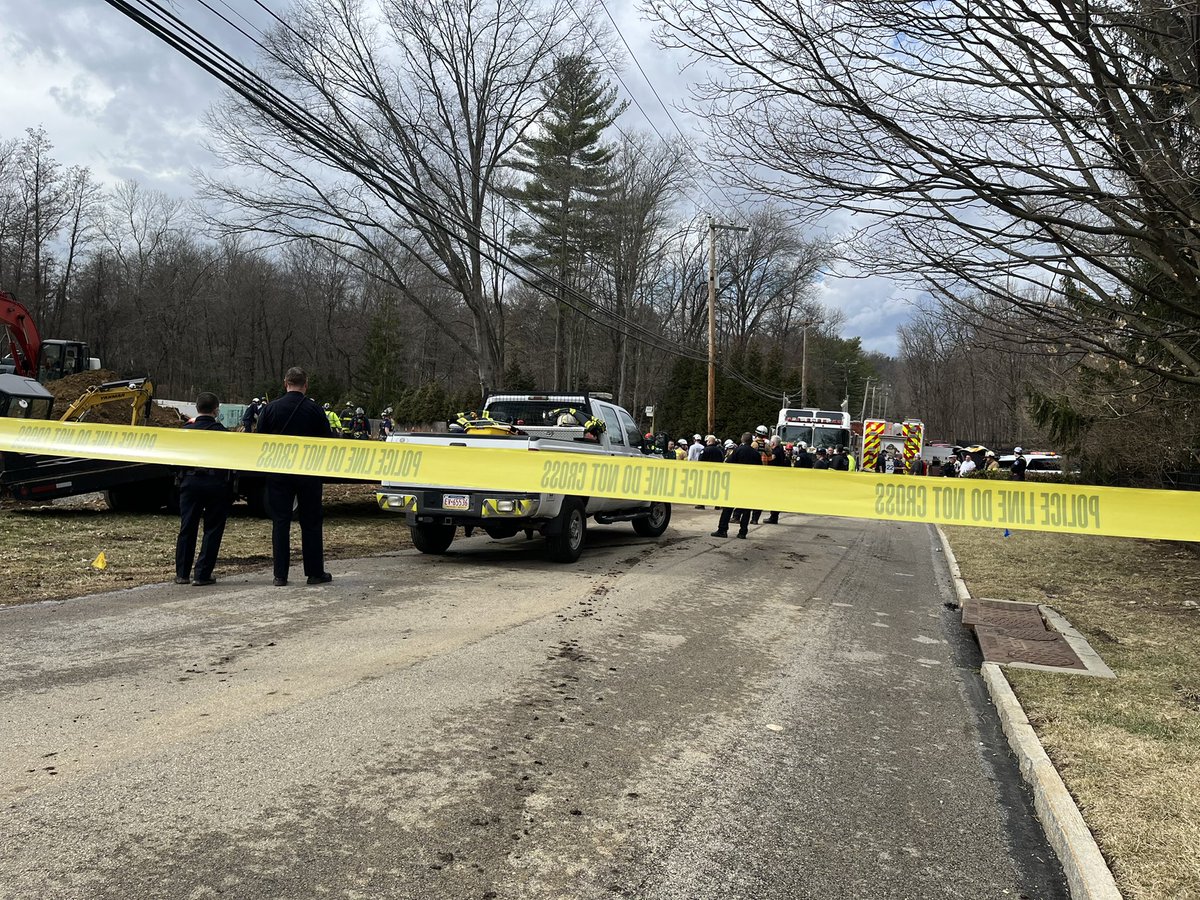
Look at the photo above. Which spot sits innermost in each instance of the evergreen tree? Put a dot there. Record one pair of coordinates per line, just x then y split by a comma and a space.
568, 166
377, 382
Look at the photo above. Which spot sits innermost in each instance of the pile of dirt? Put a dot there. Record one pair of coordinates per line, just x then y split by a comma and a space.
67, 390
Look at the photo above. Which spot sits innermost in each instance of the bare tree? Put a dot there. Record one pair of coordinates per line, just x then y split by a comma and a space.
1000, 153
768, 273
42, 205
647, 180
437, 95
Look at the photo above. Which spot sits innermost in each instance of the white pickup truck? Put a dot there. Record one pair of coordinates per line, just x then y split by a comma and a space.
542, 422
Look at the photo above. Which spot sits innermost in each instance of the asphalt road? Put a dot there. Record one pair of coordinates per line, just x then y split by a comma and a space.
796, 715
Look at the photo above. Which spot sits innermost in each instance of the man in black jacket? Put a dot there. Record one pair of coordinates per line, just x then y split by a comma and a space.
780, 459
744, 454
713, 451
203, 494
295, 414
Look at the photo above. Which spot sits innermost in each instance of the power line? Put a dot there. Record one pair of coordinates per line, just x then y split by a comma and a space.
658, 97
268, 99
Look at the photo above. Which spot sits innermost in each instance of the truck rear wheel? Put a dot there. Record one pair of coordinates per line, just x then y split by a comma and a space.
567, 543
655, 523
139, 496
432, 538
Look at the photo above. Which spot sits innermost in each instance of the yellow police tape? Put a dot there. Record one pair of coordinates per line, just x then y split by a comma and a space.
1125, 512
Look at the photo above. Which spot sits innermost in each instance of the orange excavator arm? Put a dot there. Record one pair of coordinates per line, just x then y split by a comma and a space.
24, 341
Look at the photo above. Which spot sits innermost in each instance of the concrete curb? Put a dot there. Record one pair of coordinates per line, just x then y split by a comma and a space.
960, 586
1088, 875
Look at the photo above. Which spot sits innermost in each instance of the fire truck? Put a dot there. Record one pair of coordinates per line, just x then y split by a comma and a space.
817, 428
907, 438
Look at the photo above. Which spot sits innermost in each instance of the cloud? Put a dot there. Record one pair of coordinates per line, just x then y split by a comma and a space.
110, 95
874, 308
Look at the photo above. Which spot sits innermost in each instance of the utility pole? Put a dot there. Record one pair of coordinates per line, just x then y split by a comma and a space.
804, 326
713, 227
846, 365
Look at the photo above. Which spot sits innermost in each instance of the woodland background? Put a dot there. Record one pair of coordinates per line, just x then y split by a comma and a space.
437, 199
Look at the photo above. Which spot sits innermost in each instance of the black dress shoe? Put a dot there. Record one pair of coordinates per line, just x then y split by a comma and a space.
179, 579
280, 582
323, 578
742, 535
203, 582
720, 534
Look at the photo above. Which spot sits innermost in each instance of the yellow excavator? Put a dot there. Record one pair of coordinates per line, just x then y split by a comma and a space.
138, 392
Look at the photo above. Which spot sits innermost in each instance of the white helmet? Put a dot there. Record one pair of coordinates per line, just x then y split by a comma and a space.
803, 446
258, 400
1017, 451
728, 443
358, 411
762, 430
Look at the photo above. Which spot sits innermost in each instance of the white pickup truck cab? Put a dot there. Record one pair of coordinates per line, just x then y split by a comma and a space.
541, 422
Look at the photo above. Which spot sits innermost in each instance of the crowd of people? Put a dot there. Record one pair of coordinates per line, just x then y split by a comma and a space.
760, 447
352, 422
771, 448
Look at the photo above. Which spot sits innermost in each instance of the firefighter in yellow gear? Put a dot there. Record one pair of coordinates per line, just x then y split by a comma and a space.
335, 421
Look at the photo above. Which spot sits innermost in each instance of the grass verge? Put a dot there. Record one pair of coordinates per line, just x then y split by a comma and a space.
1129, 749
46, 551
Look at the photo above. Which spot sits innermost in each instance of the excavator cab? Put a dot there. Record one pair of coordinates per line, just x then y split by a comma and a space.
24, 398
59, 359
33, 357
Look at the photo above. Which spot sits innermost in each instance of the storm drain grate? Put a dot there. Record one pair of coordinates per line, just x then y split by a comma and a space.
999, 614
1001, 646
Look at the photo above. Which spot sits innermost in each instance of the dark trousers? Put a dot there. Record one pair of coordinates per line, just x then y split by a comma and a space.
201, 498
305, 492
741, 516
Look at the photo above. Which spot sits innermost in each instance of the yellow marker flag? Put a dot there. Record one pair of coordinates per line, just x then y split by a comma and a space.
100, 562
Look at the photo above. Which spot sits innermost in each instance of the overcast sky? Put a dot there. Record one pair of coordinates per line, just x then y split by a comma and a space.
114, 98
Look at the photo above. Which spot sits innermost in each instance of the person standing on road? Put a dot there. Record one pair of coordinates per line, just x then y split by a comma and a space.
696, 448
804, 459
713, 451
744, 454
966, 467
761, 445
779, 459
1019, 465
295, 414
203, 494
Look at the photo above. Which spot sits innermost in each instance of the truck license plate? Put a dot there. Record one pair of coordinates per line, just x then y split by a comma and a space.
456, 501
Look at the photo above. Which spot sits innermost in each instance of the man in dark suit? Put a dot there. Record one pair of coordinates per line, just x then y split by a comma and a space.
295, 414
203, 494
744, 454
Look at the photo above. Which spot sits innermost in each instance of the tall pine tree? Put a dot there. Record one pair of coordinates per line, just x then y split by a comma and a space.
567, 163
